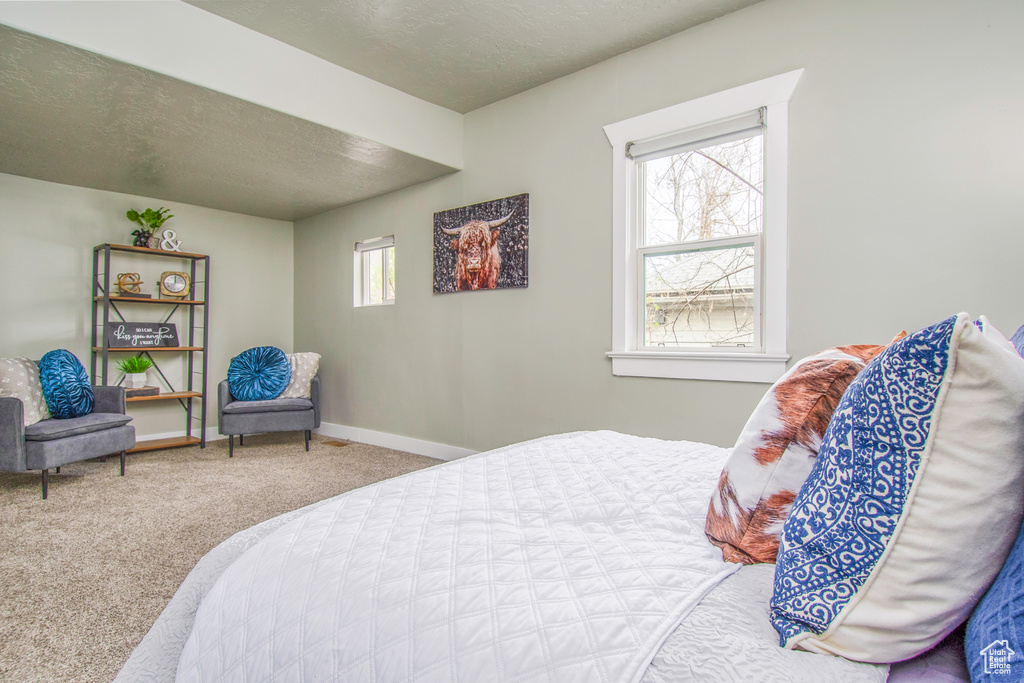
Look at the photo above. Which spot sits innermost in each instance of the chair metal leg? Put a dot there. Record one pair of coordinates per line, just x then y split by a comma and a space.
122, 463
231, 445
241, 439
307, 440
46, 481
58, 470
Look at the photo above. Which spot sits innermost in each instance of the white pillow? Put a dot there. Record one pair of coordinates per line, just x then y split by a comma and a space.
304, 369
19, 378
914, 500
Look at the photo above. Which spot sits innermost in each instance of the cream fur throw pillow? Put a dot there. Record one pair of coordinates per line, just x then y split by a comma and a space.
776, 451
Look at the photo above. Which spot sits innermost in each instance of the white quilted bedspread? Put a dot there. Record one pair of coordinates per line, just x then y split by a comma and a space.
569, 558
728, 638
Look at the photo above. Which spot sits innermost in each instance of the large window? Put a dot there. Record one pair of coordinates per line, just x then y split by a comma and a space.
700, 238
699, 195
374, 272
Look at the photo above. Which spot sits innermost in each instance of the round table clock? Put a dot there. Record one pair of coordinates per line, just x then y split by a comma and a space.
174, 284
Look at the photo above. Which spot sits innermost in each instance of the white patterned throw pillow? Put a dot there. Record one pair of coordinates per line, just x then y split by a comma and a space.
304, 369
19, 378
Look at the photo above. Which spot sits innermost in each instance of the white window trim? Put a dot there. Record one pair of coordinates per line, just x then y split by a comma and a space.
769, 364
360, 275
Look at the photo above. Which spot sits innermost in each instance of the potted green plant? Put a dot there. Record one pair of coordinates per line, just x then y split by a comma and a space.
150, 221
134, 369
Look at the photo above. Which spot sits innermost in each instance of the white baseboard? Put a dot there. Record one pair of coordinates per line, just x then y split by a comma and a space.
408, 444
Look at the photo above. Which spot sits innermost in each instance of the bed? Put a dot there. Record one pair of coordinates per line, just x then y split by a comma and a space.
586, 556
636, 592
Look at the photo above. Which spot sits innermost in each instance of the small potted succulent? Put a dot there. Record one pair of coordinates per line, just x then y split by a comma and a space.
134, 369
150, 221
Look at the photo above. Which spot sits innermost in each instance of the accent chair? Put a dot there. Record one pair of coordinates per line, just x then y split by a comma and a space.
53, 443
276, 415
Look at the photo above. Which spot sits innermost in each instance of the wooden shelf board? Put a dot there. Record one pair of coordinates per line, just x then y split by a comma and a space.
158, 397
137, 300
156, 444
152, 348
153, 252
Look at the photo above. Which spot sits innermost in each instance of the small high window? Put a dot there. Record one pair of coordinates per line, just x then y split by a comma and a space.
374, 272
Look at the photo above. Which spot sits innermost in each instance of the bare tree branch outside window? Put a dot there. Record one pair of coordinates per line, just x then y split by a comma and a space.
694, 296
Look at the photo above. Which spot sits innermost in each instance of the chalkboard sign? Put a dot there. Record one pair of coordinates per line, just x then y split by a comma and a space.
141, 335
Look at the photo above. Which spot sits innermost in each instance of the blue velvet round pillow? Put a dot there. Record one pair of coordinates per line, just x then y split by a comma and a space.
259, 374
66, 385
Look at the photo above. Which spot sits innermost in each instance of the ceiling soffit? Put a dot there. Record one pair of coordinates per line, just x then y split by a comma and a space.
74, 117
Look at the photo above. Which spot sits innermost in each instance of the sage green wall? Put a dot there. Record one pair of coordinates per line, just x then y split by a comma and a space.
905, 207
47, 232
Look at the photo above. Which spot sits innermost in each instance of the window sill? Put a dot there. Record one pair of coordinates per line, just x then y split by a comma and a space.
727, 367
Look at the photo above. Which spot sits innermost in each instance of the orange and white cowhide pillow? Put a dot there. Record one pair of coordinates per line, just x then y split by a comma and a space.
775, 452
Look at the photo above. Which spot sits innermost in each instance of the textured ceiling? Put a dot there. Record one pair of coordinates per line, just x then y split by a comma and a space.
71, 116
464, 54
74, 117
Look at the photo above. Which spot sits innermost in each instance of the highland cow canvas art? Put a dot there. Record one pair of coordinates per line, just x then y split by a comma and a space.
482, 246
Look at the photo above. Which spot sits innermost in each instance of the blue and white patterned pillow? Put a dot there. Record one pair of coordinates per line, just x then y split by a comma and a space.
1016, 342
877, 561
66, 385
259, 374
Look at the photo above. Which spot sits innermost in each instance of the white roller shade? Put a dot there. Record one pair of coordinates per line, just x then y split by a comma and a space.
736, 128
375, 243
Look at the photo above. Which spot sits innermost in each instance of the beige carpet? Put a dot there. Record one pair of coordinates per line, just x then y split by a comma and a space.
84, 574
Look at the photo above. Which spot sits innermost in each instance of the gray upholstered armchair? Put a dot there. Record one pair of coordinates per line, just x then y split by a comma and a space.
275, 415
52, 443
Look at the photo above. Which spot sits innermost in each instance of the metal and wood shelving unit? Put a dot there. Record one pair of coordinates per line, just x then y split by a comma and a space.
104, 304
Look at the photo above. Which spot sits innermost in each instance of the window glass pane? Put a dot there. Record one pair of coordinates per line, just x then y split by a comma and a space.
700, 299
389, 271
375, 265
715, 191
